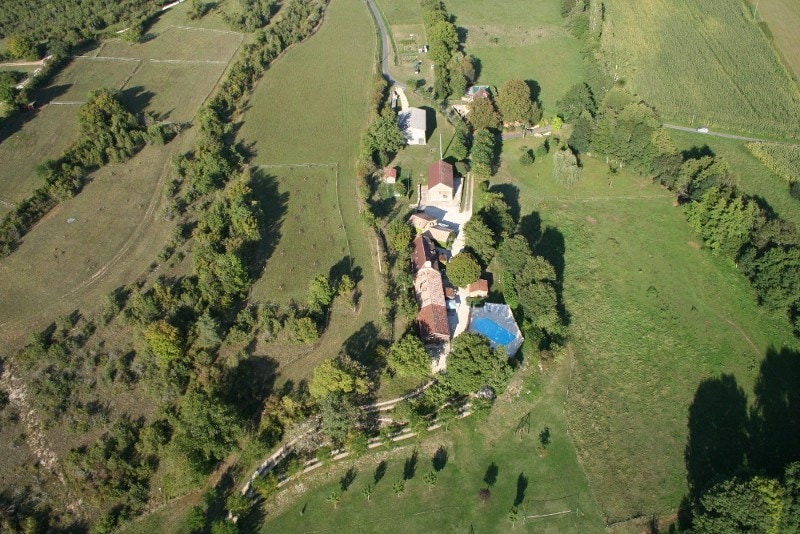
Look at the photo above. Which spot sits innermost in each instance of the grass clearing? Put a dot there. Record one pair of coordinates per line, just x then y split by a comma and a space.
783, 19
46, 136
77, 79
310, 107
58, 259
651, 315
177, 44
554, 63
703, 60
171, 101
538, 485
311, 228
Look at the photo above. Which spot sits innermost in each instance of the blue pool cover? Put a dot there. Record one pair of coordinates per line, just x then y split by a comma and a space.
493, 331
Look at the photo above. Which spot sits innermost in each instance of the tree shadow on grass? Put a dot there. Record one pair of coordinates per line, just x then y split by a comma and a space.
717, 443
410, 466
347, 479
522, 486
274, 206
549, 243
11, 125
490, 477
136, 99
380, 471
439, 459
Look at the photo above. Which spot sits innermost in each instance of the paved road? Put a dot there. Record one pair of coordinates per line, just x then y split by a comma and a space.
718, 134
386, 44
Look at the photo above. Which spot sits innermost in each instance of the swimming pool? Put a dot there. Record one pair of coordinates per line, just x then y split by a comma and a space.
496, 333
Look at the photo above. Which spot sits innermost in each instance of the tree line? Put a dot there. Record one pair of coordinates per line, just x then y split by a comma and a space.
108, 133
453, 70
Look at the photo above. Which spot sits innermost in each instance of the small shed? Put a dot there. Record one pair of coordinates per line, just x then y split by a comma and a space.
479, 288
422, 221
390, 175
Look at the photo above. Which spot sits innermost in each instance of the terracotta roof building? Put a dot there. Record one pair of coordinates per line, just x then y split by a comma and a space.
390, 175
423, 254
478, 289
440, 181
432, 317
422, 221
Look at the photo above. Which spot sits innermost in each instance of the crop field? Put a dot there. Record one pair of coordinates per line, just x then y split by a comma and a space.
310, 108
783, 19
651, 315
703, 60
537, 484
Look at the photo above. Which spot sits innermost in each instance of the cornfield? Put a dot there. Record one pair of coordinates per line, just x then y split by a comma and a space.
701, 62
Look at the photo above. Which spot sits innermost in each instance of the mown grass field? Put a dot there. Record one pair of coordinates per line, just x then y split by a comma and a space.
651, 315
537, 484
310, 107
118, 229
753, 177
706, 60
783, 19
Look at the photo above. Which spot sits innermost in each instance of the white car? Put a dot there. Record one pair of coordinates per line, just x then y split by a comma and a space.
702, 130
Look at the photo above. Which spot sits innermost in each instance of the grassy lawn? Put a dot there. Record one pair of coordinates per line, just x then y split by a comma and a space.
651, 315
783, 19
311, 107
705, 60
401, 11
537, 484
753, 177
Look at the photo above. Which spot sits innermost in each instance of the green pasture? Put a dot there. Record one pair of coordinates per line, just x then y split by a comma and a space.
311, 229
45, 136
311, 107
81, 76
172, 91
538, 483
554, 63
178, 16
61, 265
704, 60
401, 11
651, 315
176, 43
752, 176
783, 19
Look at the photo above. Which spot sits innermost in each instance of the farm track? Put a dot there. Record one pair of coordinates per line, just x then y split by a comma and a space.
726, 136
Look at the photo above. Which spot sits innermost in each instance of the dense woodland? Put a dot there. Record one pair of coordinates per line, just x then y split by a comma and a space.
37, 26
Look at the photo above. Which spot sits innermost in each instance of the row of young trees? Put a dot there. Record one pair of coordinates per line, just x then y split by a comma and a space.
108, 133
453, 70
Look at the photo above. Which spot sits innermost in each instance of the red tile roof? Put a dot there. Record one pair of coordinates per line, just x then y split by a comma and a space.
423, 250
432, 321
440, 172
420, 221
481, 286
391, 172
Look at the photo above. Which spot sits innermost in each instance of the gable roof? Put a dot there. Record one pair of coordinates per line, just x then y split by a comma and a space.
439, 234
423, 252
481, 286
390, 172
432, 321
440, 172
421, 221
414, 118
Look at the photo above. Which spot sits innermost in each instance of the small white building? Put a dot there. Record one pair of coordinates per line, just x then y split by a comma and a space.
414, 124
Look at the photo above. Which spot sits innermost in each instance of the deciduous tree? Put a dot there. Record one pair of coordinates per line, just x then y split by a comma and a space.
463, 269
408, 357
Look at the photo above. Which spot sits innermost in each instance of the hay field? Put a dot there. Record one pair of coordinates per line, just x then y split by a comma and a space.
651, 315
703, 59
783, 20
